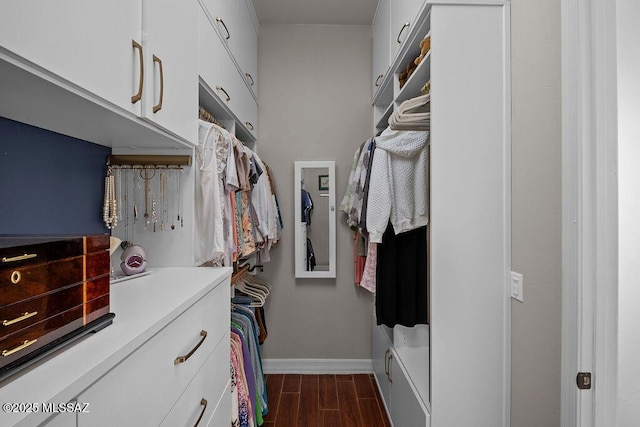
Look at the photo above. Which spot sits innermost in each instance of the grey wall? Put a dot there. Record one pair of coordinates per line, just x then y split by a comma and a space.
536, 212
314, 104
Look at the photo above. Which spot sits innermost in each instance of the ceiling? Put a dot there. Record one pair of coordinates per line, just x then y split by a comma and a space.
327, 12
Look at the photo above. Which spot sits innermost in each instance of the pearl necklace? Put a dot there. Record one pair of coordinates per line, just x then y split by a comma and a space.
110, 208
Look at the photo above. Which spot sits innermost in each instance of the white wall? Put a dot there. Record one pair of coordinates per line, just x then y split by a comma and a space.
628, 32
536, 212
314, 104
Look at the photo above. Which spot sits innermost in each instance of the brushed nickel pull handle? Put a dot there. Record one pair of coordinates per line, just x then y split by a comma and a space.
218, 19
406, 24
158, 106
204, 404
225, 92
249, 125
19, 257
182, 359
15, 277
25, 316
378, 79
138, 96
25, 344
389, 375
249, 76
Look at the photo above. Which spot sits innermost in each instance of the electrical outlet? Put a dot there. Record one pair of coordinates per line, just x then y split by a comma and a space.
517, 283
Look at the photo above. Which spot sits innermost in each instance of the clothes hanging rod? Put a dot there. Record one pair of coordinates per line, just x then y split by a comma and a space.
149, 160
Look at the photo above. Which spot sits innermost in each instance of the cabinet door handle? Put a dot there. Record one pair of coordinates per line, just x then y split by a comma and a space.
406, 24
225, 92
249, 125
218, 19
25, 316
182, 359
158, 106
203, 403
378, 79
10, 351
386, 362
138, 96
249, 76
19, 257
389, 375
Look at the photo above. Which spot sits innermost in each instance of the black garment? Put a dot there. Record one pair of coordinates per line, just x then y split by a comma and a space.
401, 278
311, 256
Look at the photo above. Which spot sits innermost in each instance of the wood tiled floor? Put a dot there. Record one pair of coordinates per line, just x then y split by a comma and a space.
324, 401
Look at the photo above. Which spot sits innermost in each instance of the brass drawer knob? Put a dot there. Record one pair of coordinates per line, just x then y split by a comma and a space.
15, 277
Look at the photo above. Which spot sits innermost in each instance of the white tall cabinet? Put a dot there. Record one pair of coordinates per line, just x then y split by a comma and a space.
457, 368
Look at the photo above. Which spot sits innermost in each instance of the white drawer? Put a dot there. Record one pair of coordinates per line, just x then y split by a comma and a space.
204, 393
143, 387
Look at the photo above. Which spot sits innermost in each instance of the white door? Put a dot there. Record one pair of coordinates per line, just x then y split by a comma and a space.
88, 43
380, 29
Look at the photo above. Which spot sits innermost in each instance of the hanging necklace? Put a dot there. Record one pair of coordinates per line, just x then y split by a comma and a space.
110, 207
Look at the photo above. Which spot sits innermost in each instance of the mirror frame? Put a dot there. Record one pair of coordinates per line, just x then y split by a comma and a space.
299, 245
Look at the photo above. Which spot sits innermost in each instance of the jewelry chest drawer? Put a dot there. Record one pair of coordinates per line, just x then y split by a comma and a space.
50, 288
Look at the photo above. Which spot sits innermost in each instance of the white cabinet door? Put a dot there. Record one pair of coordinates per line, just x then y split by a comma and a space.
171, 79
233, 20
406, 410
87, 43
403, 16
381, 349
380, 29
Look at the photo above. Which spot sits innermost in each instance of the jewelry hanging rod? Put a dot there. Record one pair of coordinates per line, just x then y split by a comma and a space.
149, 161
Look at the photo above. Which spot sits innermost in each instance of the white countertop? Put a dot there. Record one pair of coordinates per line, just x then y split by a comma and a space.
143, 306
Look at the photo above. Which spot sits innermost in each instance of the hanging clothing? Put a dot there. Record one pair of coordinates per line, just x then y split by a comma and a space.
401, 278
307, 206
368, 280
398, 183
208, 218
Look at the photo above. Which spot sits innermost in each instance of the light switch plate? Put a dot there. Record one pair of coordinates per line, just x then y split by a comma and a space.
517, 286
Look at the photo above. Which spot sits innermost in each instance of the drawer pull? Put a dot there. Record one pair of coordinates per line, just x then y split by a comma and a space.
378, 79
19, 319
186, 357
249, 76
19, 257
138, 95
25, 344
218, 19
390, 375
249, 125
204, 404
406, 24
386, 362
225, 92
15, 277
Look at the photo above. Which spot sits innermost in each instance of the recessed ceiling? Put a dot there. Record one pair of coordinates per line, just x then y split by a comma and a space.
327, 12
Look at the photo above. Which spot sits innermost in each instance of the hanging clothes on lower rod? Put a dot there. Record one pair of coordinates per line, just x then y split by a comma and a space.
248, 332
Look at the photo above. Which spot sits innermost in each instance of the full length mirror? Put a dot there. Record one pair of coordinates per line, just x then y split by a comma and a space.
315, 232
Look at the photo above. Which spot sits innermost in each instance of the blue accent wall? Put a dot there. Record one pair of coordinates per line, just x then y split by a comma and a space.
49, 183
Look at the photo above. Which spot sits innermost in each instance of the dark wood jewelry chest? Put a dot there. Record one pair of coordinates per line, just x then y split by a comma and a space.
52, 290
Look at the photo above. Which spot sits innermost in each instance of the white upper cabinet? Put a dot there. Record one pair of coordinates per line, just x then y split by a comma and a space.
222, 79
136, 66
234, 20
380, 29
170, 49
403, 16
87, 43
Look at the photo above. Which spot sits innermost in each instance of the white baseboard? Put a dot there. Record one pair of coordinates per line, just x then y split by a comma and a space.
317, 366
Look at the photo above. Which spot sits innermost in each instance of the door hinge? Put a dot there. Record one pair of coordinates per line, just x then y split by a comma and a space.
584, 380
